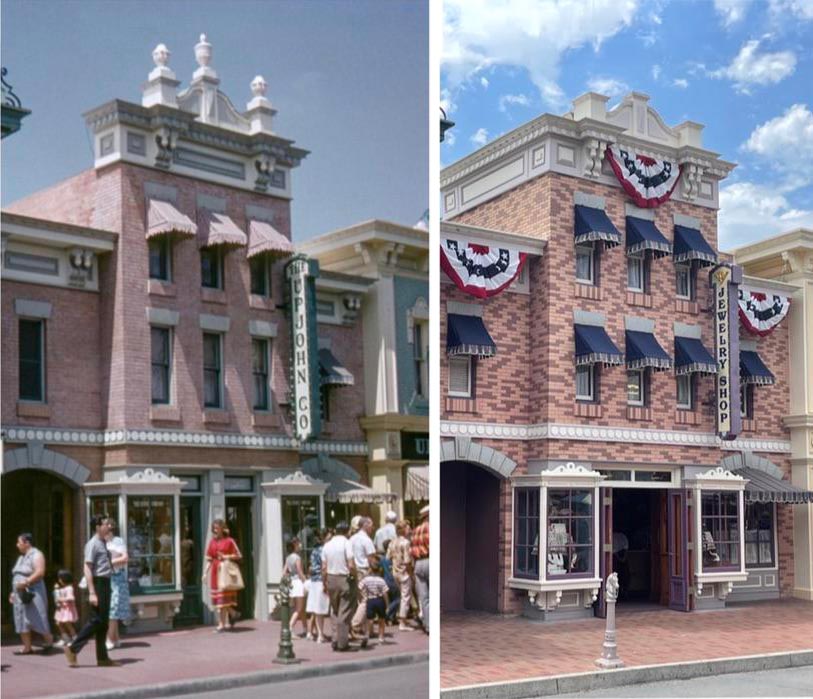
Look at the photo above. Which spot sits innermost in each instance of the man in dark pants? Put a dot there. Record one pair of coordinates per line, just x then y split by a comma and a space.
98, 569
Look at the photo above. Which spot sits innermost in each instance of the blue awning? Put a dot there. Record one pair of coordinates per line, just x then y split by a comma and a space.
468, 335
691, 245
594, 224
692, 357
643, 351
593, 346
643, 234
753, 369
331, 371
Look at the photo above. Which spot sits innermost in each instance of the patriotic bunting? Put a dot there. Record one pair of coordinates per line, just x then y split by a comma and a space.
760, 313
480, 270
648, 181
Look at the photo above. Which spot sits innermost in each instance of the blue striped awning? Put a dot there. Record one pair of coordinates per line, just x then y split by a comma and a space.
691, 245
643, 234
643, 351
763, 487
331, 370
467, 335
691, 357
594, 346
753, 369
594, 224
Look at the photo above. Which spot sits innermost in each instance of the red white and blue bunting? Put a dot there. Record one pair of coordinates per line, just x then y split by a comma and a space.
648, 181
480, 270
761, 312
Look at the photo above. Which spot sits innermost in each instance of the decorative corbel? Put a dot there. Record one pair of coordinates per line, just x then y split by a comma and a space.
265, 167
364, 251
166, 140
594, 150
692, 175
81, 265
352, 306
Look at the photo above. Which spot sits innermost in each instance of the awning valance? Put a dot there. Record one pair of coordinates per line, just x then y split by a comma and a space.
691, 357
644, 351
343, 483
594, 346
643, 234
332, 371
468, 335
417, 483
764, 487
219, 229
594, 224
691, 245
264, 238
163, 219
753, 369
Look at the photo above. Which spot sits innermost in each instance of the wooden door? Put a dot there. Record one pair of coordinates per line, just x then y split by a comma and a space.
677, 548
192, 549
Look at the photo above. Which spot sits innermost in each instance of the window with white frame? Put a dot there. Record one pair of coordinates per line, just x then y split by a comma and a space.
746, 400
212, 370
260, 372
636, 389
585, 264
31, 348
585, 382
460, 376
161, 361
420, 350
635, 272
683, 281
684, 391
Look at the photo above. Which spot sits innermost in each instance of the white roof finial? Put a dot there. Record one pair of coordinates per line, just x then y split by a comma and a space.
160, 56
259, 86
161, 86
203, 55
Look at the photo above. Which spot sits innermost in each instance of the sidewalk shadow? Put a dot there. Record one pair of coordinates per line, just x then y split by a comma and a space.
135, 644
240, 629
129, 661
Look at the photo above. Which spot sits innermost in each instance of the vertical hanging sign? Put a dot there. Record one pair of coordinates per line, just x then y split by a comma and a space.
725, 281
300, 274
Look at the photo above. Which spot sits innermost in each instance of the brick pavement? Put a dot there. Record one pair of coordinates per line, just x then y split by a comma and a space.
179, 655
479, 647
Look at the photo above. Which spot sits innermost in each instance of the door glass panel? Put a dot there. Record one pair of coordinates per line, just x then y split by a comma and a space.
300, 519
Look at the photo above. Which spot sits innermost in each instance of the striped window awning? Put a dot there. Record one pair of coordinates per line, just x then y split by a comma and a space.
643, 234
417, 483
644, 351
764, 487
264, 238
467, 335
594, 346
219, 229
692, 357
691, 245
332, 371
164, 219
593, 224
753, 369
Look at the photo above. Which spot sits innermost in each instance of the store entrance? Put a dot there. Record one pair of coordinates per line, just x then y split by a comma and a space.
239, 521
639, 542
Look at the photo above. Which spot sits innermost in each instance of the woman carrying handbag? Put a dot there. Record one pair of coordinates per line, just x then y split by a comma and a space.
223, 573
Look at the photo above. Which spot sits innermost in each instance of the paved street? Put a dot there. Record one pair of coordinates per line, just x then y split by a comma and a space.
407, 682
518, 648
794, 682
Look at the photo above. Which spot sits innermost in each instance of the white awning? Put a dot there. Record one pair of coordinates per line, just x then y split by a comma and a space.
219, 229
163, 218
417, 483
264, 238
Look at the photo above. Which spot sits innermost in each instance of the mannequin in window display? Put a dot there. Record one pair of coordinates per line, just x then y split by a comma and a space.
710, 555
558, 541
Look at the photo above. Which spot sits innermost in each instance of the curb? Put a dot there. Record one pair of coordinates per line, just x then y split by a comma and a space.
586, 681
209, 684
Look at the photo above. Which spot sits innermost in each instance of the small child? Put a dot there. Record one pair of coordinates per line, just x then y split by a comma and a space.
375, 590
65, 603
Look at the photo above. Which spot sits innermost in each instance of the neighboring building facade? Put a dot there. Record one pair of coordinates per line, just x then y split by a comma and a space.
165, 359
396, 351
590, 416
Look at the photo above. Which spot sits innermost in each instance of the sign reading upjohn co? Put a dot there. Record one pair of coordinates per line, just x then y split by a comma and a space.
300, 274
724, 281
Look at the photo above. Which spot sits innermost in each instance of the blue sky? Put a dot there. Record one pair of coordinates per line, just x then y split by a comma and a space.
744, 68
350, 81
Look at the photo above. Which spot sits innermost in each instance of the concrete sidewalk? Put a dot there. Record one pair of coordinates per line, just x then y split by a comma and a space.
195, 660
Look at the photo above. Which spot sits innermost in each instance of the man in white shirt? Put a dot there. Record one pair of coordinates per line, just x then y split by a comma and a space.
385, 533
337, 568
363, 547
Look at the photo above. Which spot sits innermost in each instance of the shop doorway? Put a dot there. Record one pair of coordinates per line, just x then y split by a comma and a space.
239, 520
469, 538
192, 547
43, 504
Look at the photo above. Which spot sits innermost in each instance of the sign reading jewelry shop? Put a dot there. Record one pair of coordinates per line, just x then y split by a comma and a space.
725, 281
300, 277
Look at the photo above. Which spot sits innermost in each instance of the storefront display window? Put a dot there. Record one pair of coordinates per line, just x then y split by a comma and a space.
104, 505
720, 536
300, 518
570, 532
759, 536
526, 533
151, 543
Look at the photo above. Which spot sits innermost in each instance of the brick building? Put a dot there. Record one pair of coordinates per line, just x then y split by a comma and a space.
590, 416
150, 309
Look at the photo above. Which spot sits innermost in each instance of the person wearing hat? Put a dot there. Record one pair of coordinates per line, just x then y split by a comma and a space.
385, 533
420, 555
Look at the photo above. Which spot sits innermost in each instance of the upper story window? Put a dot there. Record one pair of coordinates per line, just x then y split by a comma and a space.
683, 281
260, 373
211, 267
420, 350
260, 268
161, 354
461, 369
586, 263
324, 402
570, 532
160, 248
212, 370
747, 400
585, 382
636, 387
636, 272
684, 386
720, 538
32, 359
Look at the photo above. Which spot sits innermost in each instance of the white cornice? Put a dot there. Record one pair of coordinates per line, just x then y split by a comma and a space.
589, 433
488, 236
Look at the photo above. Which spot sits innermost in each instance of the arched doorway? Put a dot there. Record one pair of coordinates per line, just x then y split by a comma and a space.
469, 537
42, 503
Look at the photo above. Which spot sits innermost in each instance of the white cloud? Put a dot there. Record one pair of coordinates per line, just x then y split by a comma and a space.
750, 67
529, 34
513, 100
608, 86
484, 81
656, 71
480, 137
732, 11
447, 104
803, 9
648, 38
682, 83
450, 138
786, 142
655, 18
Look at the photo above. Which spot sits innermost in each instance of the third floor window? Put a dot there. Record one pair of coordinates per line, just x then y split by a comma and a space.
32, 359
160, 258
260, 267
211, 267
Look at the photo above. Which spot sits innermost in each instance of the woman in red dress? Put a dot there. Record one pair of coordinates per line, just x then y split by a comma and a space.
221, 548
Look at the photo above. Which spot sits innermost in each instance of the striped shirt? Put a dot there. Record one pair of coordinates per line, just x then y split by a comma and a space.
374, 586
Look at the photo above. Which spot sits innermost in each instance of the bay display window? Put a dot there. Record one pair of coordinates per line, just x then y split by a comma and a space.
586, 264
759, 535
460, 376
212, 371
160, 254
161, 364
104, 505
301, 520
636, 272
570, 532
684, 391
259, 353
636, 387
586, 382
526, 533
720, 533
151, 543
31, 347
